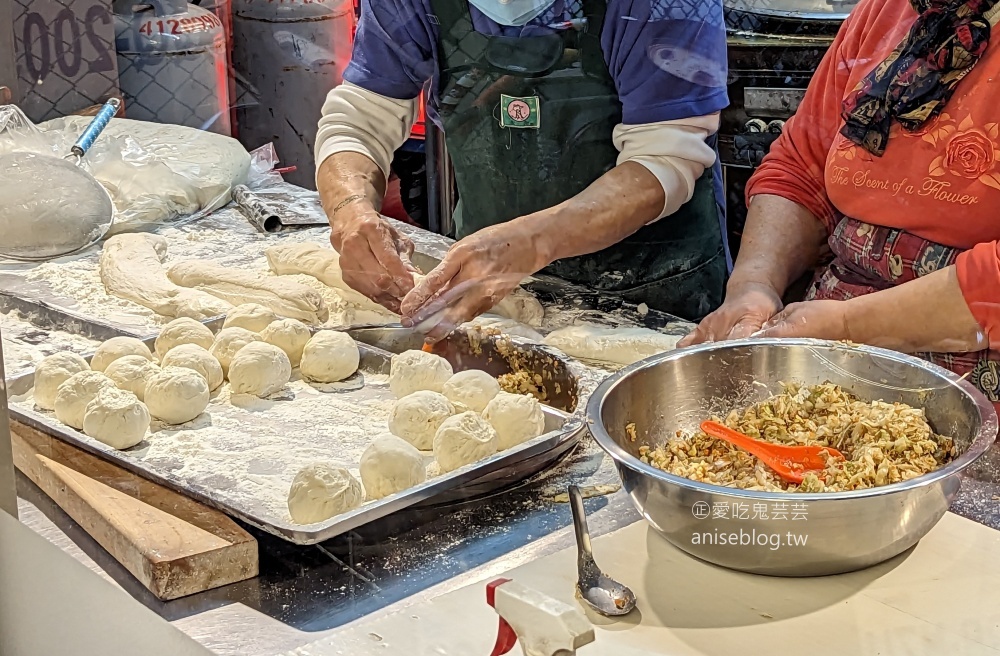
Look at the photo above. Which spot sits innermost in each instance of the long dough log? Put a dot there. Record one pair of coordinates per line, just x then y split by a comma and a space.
321, 263
286, 298
324, 264
622, 346
132, 268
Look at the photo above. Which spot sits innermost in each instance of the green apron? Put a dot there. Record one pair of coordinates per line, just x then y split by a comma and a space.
560, 105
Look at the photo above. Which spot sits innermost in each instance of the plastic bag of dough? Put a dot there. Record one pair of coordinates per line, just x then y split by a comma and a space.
155, 172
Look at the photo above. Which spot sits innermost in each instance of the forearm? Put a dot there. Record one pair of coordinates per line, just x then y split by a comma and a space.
781, 241
347, 182
615, 206
926, 314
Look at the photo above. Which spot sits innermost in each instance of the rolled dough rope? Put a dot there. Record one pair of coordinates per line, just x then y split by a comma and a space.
622, 346
323, 264
317, 261
131, 268
286, 298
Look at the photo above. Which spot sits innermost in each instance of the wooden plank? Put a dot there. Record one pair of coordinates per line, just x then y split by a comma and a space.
174, 545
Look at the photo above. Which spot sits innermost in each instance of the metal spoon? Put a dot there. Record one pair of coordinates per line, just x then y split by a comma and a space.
601, 592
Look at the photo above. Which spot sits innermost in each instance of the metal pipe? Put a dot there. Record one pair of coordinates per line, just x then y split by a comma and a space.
8, 491
440, 183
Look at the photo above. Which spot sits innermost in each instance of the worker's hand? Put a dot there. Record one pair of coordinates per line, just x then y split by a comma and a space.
374, 256
815, 319
476, 274
745, 311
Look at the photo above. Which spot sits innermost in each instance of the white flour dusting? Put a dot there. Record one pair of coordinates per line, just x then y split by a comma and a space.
247, 450
25, 344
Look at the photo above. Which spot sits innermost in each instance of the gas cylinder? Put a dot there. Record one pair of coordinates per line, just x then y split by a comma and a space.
288, 54
172, 64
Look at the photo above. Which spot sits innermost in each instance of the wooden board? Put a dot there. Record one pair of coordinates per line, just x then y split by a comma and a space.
942, 597
172, 544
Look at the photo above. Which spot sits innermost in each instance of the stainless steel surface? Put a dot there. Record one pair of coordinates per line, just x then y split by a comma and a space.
807, 10
844, 531
46, 316
601, 592
8, 492
771, 103
491, 353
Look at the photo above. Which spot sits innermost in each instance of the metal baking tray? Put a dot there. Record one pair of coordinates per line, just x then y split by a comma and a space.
496, 354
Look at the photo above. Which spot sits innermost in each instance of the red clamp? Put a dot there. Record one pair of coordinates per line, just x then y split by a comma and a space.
506, 638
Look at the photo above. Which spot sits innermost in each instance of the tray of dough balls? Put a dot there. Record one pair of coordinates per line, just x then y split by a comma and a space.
307, 434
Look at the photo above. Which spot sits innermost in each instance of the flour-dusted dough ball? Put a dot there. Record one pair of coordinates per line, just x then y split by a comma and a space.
76, 393
330, 356
52, 372
196, 358
176, 395
472, 389
321, 491
464, 439
416, 417
117, 418
515, 417
183, 331
131, 374
260, 369
290, 336
413, 371
228, 343
390, 465
251, 316
118, 347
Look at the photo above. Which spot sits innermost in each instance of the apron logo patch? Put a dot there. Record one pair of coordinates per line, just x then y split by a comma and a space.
519, 112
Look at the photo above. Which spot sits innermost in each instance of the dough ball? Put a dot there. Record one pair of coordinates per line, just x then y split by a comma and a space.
196, 358
322, 491
176, 395
118, 347
228, 343
472, 389
52, 372
260, 369
131, 374
416, 417
251, 316
117, 418
330, 356
515, 417
290, 336
76, 393
462, 440
390, 465
183, 331
412, 371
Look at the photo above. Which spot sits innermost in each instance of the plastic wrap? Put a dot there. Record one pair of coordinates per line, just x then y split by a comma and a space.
156, 174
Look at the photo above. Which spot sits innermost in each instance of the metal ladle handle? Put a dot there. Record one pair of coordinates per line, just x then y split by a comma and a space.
580, 522
95, 128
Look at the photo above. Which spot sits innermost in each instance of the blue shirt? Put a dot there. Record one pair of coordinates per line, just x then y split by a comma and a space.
667, 57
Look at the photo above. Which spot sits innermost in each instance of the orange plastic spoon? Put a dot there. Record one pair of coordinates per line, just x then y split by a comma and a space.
791, 463
427, 348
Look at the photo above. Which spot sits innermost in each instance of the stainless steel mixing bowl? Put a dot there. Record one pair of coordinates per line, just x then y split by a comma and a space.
782, 534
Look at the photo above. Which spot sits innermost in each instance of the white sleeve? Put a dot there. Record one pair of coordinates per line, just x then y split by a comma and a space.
360, 121
674, 151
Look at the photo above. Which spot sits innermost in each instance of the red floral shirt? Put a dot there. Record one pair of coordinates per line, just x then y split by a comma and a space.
941, 183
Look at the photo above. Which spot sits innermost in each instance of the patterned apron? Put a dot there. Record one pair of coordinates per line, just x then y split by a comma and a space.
869, 258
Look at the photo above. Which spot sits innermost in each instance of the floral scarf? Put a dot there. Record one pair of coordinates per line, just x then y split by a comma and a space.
918, 78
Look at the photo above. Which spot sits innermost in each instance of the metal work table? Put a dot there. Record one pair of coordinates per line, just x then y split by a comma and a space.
306, 593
